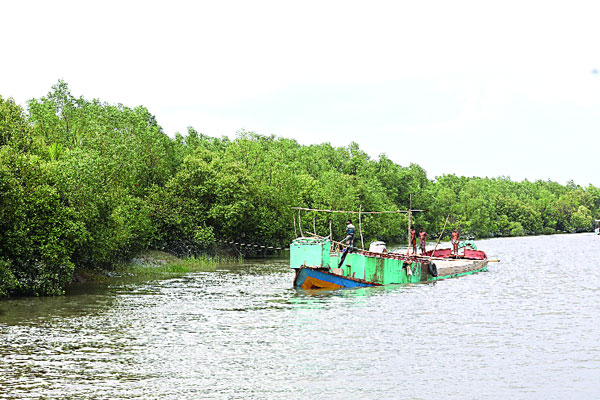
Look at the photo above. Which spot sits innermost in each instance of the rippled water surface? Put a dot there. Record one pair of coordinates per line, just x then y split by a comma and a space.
528, 328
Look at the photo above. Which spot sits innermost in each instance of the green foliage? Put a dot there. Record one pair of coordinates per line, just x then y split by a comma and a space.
516, 229
180, 209
8, 283
40, 232
581, 220
86, 185
13, 122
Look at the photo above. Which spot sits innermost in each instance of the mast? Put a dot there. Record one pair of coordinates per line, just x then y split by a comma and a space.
409, 222
362, 242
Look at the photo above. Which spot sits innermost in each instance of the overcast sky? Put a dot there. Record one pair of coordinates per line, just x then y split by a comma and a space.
475, 88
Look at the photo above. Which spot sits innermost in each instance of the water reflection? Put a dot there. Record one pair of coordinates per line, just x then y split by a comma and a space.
525, 329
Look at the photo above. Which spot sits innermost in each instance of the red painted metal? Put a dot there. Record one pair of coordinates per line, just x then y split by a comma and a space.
475, 254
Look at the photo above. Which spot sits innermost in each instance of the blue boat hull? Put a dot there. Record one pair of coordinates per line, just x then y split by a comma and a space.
312, 278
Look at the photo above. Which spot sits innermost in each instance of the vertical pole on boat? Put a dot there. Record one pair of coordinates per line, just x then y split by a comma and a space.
330, 231
438, 241
409, 222
295, 231
362, 243
300, 224
314, 226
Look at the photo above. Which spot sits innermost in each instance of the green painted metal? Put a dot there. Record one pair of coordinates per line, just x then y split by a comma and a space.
310, 252
385, 271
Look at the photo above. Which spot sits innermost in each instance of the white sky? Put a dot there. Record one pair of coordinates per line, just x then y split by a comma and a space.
476, 88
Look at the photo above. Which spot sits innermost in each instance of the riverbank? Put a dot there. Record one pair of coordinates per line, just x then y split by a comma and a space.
157, 264
154, 264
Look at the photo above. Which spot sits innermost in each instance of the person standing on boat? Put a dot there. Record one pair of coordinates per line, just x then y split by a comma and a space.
455, 239
350, 229
413, 240
423, 236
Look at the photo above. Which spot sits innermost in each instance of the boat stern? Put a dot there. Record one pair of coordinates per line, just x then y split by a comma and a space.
310, 252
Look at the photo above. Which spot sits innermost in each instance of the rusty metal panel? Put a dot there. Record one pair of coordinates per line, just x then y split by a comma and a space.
379, 274
423, 271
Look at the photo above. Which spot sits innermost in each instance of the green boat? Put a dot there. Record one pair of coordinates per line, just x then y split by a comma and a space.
321, 264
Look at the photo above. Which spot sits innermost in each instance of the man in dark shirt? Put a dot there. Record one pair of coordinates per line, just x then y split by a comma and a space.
350, 229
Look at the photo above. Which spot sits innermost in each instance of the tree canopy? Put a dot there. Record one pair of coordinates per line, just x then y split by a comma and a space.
84, 184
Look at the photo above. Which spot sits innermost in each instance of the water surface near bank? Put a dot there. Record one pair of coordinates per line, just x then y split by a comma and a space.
526, 329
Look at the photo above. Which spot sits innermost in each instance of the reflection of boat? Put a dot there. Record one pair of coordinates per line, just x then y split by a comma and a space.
318, 265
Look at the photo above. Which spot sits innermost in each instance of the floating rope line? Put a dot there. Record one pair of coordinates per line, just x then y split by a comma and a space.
248, 245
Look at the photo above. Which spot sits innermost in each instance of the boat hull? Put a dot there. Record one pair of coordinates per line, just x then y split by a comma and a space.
454, 268
314, 278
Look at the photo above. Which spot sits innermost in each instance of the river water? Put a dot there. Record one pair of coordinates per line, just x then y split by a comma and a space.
527, 329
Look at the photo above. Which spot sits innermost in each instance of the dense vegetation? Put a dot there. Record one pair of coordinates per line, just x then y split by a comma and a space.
85, 184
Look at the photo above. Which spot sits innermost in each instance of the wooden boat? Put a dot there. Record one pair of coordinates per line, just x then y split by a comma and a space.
319, 265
